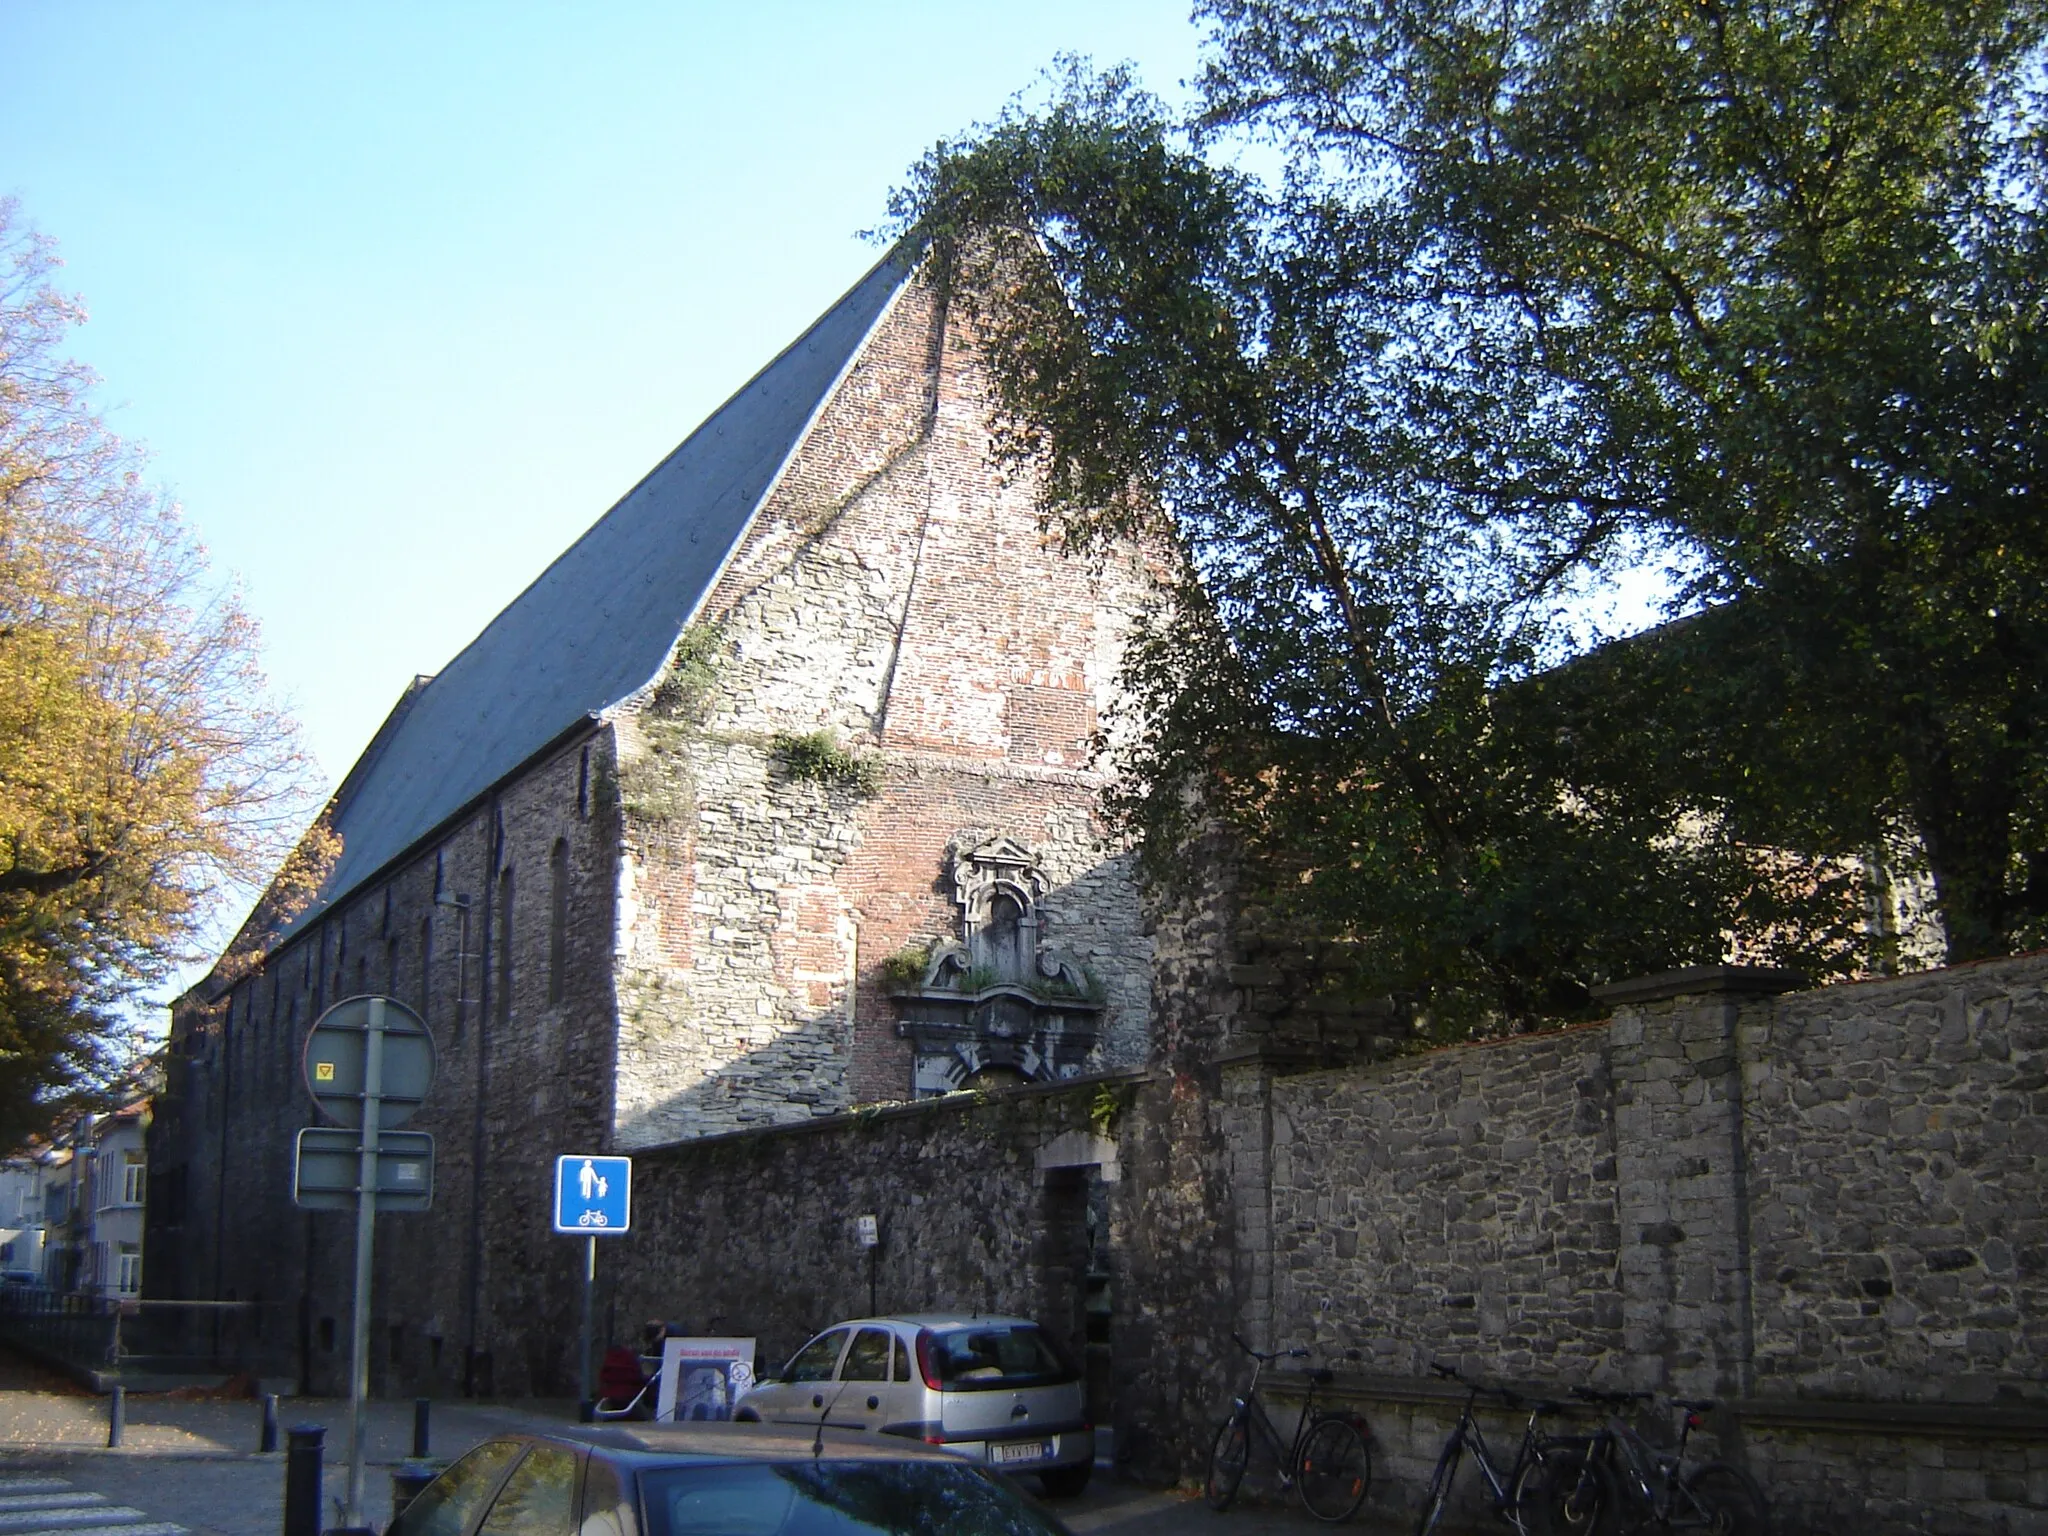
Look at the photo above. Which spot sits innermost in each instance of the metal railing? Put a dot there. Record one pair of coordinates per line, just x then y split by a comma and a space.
104, 1333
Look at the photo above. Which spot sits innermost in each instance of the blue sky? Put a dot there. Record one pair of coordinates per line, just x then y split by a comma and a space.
402, 297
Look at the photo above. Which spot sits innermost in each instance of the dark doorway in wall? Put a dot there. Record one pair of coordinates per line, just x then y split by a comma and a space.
1076, 1298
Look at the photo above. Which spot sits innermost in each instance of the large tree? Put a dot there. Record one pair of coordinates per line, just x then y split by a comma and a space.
143, 774
1525, 292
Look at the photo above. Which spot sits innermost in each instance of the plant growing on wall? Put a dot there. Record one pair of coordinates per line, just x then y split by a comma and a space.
819, 758
655, 785
904, 970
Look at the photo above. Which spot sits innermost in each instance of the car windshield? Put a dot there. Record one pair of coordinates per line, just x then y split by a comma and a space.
837, 1498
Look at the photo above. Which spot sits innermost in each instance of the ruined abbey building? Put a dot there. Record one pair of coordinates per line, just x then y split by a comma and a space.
769, 798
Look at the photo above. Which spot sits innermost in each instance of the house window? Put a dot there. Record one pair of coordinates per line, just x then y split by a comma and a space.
133, 1177
128, 1279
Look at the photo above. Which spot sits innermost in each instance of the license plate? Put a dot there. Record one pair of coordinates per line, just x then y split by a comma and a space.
1016, 1451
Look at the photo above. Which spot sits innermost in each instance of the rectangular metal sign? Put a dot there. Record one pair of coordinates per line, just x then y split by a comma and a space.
328, 1161
593, 1195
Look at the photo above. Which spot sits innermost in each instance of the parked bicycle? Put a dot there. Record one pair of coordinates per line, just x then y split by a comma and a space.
1328, 1463
1540, 1493
1643, 1488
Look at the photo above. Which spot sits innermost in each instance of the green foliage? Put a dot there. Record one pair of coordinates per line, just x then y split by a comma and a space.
144, 773
1780, 267
1107, 1105
819, 758
656, 787
684, 689
1543, 295
978, 978
904, 970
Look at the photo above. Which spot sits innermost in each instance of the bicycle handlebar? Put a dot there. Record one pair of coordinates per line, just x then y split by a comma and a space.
1297, 1353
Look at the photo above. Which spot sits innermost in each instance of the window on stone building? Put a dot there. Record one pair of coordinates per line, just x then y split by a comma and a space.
558, 920
583, 784
504, 946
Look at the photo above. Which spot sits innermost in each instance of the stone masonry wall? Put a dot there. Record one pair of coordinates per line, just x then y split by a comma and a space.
1824, 1209
1460, 1204
1898, 1142
474, 1295
896, 594
754, 1234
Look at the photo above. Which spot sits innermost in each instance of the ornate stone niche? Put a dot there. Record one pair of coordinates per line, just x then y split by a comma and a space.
1000, 1004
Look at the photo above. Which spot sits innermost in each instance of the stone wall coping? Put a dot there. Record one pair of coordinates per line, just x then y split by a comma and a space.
1965, 1420
907, 1109
1703, 981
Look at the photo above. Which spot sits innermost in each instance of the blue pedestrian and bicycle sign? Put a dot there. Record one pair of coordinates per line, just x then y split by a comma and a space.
593, 1195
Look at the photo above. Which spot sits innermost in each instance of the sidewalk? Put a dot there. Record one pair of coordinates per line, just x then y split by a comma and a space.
194, 1463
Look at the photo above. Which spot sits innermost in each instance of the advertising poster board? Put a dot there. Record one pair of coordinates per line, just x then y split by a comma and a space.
702, 1378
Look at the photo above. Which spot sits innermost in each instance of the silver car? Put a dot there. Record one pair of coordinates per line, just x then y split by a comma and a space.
995, 1390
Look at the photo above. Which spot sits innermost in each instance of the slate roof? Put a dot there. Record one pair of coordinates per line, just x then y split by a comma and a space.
600, 621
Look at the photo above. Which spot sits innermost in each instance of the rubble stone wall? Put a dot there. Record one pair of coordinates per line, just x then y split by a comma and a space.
897, 595
1827, 1209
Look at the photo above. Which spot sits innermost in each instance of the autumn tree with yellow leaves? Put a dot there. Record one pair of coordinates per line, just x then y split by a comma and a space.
145, 776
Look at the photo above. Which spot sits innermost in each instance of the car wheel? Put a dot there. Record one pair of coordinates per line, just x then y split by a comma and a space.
1065, 1482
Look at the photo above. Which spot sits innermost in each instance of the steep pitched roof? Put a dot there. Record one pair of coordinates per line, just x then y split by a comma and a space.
598, 624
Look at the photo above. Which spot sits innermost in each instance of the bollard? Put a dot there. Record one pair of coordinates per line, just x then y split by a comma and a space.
407, 1479
302, 1479
268, 1441
117, 1415
420, 1406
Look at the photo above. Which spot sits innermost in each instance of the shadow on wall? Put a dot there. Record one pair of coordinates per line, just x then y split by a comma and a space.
689, 1068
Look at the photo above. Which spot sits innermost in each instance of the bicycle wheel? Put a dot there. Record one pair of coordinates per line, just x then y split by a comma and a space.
1227, 1458
1439, 1494
1727, 1502
1566, 1493
1334, 1471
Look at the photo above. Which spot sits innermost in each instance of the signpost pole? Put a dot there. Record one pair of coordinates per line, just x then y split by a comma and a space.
589, 1285
366, 1228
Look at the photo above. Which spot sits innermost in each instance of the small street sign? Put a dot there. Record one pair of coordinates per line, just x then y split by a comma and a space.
327, 1170
369, 1062
338, 1052
868, 1230
593, 1195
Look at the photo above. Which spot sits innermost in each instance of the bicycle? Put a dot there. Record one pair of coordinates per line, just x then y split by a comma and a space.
1328, 1463
1542, 1491
1648, 1489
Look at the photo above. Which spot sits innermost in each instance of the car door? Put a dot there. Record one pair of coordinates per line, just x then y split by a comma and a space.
539, 1498
903, 1403
451, 1503
862, 1398
806, 1383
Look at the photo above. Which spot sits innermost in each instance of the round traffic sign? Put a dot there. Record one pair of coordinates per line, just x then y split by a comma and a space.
338, 1058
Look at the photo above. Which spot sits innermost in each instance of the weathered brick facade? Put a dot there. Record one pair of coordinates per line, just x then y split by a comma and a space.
657, 928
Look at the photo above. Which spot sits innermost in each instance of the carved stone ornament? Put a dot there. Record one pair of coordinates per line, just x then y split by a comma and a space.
1000, 1000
